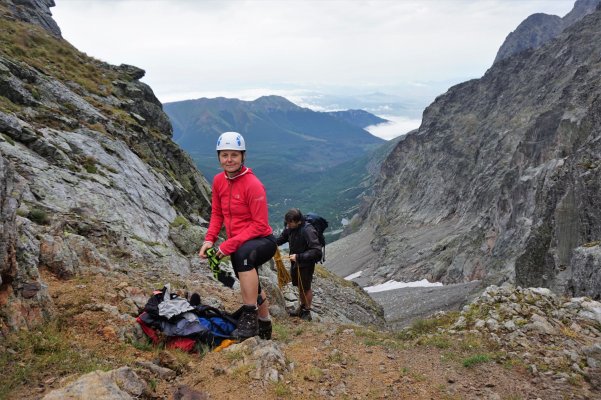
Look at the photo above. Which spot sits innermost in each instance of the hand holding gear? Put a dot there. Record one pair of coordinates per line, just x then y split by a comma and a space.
214, 260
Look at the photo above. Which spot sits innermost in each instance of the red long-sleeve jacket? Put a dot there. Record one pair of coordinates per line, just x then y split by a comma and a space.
239, 203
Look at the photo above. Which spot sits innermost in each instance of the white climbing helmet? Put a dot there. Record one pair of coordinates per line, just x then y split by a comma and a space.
231, 141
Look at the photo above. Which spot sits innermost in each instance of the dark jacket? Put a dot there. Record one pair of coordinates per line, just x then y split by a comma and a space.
303, 242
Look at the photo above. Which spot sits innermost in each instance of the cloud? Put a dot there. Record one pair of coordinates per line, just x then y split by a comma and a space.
397, 126
188, 46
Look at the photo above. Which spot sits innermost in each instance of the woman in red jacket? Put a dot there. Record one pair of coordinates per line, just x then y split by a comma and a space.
239, 202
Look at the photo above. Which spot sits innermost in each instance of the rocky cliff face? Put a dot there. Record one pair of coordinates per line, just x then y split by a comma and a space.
9, 198
33, 11
91, 180
501, 181
538, 29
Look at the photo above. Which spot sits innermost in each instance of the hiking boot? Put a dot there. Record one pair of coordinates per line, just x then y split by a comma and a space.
298, 312
265, 329
305, 315
248, 325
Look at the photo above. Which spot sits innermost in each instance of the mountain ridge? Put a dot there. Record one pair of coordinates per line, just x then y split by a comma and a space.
285, 143
502, 195
539, 28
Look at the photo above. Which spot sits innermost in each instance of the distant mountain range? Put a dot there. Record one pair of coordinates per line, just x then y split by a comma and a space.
300, 155
359, 118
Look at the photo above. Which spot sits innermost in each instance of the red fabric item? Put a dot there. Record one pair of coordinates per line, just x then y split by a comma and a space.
175, 342
182, 343
151, 333
239, 203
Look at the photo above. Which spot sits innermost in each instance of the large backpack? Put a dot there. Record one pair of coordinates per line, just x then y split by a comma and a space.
320, 224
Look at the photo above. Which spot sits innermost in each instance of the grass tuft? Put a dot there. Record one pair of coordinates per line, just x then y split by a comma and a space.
39, 216
475, 359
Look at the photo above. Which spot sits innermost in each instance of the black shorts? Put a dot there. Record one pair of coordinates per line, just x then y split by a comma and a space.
303, 276
253, 253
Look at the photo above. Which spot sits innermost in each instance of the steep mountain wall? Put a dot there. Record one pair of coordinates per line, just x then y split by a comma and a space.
538, 29
501, 181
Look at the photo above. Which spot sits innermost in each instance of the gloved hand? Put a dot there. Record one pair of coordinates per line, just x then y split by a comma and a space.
219, 274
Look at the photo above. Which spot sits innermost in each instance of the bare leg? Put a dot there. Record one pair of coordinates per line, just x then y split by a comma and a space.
308, 295
264, 307
249, 286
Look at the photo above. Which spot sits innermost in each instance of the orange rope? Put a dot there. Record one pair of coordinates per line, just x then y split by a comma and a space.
283, 274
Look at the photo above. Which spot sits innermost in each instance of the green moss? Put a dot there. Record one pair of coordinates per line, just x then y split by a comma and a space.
148, 243
180, 221
8, 106
38, 216
89, 164
35, 93
8, 139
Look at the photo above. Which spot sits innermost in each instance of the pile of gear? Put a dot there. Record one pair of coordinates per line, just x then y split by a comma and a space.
186, 325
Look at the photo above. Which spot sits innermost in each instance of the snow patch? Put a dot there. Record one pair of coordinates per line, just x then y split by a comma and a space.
390, 285
353, 276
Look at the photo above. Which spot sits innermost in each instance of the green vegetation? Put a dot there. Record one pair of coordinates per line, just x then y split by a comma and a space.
281, 389
89, 164
242, 373
90, 78
476, 359
439, 341
56, 57
471, 342
426, 326
312, 373
305, 159
146, 242
281, 332
47, 351
38, 216
145, 345
8, 139
180, 221
8, 106
336, 356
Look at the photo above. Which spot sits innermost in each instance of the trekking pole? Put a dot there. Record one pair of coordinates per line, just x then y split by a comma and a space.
219, 274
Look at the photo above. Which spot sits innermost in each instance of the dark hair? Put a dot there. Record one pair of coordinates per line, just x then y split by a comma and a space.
293, 215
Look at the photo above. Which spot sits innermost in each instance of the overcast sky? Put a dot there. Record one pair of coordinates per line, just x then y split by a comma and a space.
248, 48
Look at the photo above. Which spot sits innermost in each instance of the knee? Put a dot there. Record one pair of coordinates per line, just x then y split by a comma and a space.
243, 268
